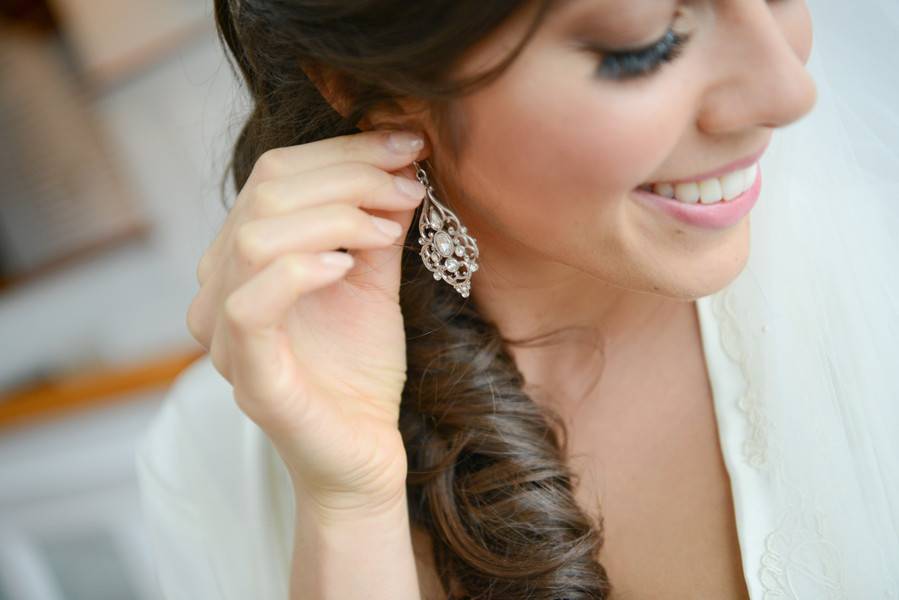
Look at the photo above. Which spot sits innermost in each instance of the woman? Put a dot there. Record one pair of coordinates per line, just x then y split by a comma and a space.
604, 394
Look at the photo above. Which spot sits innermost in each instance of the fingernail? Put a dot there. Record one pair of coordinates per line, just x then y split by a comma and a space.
336, 259
391, 228
413, 189
405, 142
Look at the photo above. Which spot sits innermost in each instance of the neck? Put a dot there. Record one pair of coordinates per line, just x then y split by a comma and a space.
527, 295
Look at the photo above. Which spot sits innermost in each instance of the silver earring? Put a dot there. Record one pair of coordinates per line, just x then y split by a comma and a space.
447, 249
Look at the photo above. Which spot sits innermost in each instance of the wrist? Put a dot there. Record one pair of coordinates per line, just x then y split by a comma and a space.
336, 510
353, 553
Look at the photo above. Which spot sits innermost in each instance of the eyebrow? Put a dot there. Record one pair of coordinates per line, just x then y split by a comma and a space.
559, 5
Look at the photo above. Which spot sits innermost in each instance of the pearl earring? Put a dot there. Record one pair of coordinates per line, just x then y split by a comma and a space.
447, 249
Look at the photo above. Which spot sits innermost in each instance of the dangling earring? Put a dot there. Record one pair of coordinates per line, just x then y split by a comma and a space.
447, 249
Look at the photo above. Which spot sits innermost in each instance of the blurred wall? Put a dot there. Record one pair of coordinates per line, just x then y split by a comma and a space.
161, 99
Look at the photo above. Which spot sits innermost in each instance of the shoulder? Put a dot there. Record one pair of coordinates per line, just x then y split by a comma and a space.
214, 494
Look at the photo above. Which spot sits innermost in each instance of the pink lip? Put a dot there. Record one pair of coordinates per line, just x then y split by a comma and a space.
712, 216
743, 163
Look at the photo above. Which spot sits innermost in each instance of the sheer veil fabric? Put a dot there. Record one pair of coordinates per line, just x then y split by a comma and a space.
802, 350
803, 347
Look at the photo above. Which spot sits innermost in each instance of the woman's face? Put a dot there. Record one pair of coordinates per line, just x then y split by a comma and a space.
553, 153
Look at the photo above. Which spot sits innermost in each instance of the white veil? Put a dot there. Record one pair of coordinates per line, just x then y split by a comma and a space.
810, 330
828, 223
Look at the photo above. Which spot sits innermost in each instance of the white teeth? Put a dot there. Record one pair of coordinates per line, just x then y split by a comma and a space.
733, 185
751, 173
687, 192
711, 190
664, 189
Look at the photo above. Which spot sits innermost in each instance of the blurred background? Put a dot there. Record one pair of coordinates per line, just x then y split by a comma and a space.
115, 121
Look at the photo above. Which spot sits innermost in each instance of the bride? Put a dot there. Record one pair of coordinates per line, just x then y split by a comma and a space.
623, 323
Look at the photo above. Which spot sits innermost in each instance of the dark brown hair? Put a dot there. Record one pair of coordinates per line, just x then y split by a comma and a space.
487, 480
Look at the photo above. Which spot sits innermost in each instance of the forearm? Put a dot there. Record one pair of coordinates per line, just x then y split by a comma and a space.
369, 558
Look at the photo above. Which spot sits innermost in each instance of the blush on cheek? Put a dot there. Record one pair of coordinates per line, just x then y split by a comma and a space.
558, 145
548, 134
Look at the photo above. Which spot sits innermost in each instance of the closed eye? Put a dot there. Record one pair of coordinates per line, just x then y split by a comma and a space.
639, 62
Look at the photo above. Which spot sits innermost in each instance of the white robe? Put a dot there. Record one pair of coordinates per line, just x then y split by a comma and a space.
802, 351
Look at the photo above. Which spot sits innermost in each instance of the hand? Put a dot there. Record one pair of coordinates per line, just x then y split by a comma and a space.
316, 351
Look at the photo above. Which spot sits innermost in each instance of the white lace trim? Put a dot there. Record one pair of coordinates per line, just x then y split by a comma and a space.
750, 402
798, 552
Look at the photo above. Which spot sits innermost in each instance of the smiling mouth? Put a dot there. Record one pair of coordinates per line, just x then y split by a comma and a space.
724, 184
707, 191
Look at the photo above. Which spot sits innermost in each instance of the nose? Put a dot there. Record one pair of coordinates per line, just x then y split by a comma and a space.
758, 68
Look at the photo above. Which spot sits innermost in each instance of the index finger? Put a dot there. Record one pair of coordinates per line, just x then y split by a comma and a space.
389, 150
386, 149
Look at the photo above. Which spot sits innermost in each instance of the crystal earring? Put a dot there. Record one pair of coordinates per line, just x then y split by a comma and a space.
447, 249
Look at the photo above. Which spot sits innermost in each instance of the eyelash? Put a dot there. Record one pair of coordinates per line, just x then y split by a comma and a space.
630, 64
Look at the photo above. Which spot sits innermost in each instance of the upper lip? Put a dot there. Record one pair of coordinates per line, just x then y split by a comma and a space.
728, 168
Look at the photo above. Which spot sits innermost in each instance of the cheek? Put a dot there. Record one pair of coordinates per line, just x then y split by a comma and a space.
799, 30
562, 138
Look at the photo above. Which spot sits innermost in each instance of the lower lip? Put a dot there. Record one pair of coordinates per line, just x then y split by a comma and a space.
711, 216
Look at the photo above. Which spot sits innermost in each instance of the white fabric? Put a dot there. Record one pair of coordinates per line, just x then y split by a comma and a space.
802, 351
215, 495
803, 347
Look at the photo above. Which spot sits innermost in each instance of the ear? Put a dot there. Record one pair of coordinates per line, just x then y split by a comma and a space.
328, 86
410, 116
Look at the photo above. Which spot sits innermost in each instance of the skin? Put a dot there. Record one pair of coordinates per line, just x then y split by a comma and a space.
568, 233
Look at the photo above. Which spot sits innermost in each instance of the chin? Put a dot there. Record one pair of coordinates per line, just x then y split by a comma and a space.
702, 273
